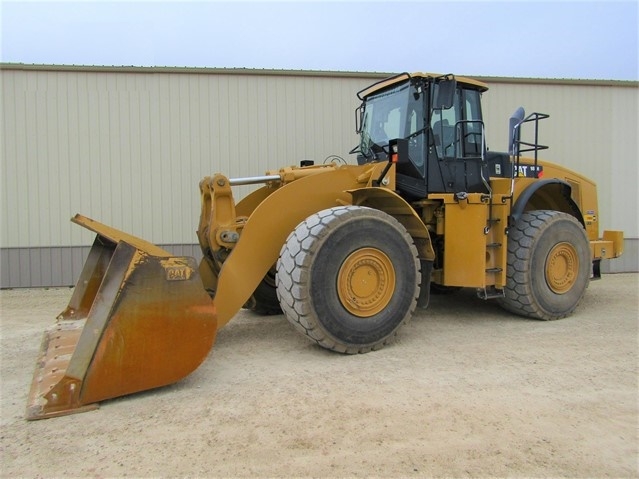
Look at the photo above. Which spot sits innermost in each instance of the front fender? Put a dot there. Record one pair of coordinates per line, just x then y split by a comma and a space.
393, 204
267, 228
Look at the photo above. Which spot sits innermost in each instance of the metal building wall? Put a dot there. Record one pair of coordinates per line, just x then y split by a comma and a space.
128, 147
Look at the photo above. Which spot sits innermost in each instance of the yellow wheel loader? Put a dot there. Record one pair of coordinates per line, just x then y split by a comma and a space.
346, 252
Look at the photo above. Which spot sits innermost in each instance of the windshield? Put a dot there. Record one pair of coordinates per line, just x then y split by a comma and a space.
394, 113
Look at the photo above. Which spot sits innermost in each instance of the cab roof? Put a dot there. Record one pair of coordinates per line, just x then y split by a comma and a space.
470, 82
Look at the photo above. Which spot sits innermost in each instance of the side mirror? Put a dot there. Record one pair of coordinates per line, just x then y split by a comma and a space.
359, 113
444, 95
514, 133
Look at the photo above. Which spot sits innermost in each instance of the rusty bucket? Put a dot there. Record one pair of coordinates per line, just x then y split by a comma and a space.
139, 318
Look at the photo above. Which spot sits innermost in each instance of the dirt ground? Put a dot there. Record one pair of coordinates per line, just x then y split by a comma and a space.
465, 390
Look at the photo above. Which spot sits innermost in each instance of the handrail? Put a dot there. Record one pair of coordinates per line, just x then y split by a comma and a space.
517, 143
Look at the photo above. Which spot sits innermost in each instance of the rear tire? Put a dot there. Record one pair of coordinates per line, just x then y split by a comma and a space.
348, 278
548, 265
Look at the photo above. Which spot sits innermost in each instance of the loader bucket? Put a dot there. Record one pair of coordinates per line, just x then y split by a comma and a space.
139, 318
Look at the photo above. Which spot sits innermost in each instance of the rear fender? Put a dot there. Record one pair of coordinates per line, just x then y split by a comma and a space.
552, 194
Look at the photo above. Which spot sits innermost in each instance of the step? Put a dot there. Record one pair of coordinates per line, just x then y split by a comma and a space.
490, 293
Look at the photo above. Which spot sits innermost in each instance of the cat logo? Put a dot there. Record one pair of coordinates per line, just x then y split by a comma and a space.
178, 273
529, 171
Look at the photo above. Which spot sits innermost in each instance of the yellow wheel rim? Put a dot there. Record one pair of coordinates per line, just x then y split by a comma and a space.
562, 267
366, 282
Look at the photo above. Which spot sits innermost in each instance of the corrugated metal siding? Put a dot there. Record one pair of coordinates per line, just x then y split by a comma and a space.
57, 266
35, 267
129, 147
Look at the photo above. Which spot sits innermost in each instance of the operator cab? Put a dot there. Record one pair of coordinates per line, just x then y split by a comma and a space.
438, 122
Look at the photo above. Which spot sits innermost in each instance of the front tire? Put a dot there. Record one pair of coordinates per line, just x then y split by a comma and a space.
264, 300
348, 278
548, 265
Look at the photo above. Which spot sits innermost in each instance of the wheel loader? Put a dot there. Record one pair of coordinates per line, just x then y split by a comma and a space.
346, 252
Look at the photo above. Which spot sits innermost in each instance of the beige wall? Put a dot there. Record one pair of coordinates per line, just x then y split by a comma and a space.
129, 146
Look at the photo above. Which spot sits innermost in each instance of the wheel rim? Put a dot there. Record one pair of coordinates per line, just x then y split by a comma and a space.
562, 267
366, 282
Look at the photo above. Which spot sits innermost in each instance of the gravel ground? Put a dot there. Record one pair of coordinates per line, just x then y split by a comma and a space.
466, 390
